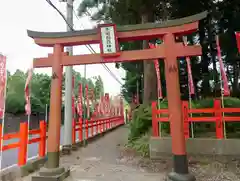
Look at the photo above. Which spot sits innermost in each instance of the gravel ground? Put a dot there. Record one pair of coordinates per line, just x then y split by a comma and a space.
108, 160
205, 168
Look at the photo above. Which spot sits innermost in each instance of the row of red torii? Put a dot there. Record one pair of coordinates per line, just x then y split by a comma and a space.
106, 105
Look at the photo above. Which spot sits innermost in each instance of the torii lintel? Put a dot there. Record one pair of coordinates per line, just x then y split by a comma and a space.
124, 33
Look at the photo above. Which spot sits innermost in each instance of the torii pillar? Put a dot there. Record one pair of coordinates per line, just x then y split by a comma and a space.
169, 51
52, 171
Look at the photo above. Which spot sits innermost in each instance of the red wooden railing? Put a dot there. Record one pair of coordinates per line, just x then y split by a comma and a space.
23, 141
100, 126
215, 115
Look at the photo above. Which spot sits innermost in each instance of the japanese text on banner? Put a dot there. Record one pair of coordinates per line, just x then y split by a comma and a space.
3, 79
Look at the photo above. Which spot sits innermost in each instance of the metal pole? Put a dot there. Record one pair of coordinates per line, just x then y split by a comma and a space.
84, 106
222, 95
3, 120
190, 106
46, 113
137, 92
67, 141
222, 102
159, 115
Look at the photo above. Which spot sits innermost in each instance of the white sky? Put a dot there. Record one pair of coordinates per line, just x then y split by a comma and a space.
18, 16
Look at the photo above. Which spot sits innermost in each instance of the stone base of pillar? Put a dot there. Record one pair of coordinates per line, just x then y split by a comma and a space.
85, 143
56, 174
66, 149
74, 147
173, 176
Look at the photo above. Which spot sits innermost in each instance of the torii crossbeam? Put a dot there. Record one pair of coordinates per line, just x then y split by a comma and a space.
108, 37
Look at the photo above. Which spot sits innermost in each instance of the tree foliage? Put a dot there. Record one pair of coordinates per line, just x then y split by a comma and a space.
223, 19
40, 90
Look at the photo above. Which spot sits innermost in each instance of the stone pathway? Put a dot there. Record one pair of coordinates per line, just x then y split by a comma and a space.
102, 161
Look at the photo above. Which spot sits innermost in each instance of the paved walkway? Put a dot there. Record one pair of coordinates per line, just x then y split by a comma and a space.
102, 160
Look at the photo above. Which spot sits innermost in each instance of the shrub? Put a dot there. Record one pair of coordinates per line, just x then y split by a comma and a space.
141, 121
141, 145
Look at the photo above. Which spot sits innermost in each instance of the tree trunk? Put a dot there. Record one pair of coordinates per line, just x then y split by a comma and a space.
150, 79
205, 89
211, 40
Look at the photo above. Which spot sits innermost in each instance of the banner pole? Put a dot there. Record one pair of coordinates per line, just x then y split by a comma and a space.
3, 116
223, 82
46, 113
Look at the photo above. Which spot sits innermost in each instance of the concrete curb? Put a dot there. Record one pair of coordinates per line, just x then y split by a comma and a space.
196, 146
11, 174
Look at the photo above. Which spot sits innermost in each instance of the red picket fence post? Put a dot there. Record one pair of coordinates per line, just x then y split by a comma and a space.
23, 141
105, 124
95, 127
218, 116
185, 119
1, 135
73, 131
80, 132
115, 122
154, 120
101, 126
98, 126
42, 143
111, 123
108, 123
92, 126
86, 128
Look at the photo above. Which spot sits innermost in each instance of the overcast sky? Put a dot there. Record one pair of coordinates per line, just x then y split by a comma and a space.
18, 16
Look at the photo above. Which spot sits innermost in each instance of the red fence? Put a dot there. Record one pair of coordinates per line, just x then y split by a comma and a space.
23, 141
217, 115
94, 126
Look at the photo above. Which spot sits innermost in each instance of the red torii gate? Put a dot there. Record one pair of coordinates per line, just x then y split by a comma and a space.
169, 51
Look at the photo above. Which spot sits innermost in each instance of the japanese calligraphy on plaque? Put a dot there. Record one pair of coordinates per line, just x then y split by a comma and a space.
108, 40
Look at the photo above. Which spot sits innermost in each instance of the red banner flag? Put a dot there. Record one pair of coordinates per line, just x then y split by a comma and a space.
96, 110
238, 40
102, 105
107, 103
226, 91
3, 81
190, 79
27, 91
156, 64
79, 107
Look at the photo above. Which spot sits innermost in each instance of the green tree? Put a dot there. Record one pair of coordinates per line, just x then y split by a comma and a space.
15, 92
39, 90
132, 12
99, 87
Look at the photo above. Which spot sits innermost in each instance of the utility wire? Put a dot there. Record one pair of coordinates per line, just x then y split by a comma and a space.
93, 51
89, 47
54, 7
